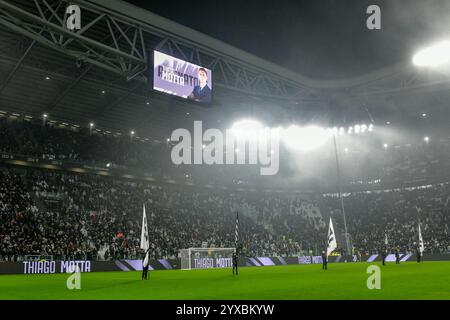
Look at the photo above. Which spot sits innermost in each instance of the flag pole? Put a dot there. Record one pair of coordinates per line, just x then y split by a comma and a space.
338, 171
236, 233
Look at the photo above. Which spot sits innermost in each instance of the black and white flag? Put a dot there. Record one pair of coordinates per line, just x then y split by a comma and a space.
332, 244
421, 246
144, 236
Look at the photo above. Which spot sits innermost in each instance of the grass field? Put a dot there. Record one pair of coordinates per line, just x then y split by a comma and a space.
429, 280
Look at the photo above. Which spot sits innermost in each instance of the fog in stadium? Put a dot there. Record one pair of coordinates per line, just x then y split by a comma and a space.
224, 150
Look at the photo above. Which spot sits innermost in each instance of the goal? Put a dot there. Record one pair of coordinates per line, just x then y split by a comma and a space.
205, 258
38, 257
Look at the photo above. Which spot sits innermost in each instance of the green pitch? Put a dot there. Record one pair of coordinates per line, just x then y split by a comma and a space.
428, 280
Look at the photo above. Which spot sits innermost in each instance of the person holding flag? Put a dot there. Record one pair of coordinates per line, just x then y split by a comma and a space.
332, 245
421, 248
397, 256
383, 256
145, 246
145, 264
324, 260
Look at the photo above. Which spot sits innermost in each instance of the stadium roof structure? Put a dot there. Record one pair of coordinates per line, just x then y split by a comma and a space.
98, 72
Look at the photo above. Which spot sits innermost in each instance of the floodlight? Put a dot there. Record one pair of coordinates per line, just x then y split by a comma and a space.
433, 56
247, 129
304, 139
363, 128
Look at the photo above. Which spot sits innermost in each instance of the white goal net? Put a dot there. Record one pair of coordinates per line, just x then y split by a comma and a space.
205, 258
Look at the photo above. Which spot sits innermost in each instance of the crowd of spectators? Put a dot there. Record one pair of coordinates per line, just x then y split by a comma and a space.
74, 215
90, 216
393, 216
95, 217
32, 138
397, 164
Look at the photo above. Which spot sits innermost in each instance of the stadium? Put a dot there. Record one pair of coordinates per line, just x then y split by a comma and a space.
141, 159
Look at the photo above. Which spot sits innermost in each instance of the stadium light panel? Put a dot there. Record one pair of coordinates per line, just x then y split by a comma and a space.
247, 129
433, 56
334, 130
363, 128
304, 138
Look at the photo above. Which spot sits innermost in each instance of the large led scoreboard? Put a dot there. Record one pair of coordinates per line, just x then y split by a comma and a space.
181, 78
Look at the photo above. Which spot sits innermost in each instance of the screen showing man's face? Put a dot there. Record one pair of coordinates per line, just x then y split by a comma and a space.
202, 77
181, 78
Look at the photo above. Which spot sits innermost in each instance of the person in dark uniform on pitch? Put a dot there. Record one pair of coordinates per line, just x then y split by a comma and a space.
418, 255
235, 262
383, 257
324, 261
397, 257
145, 265
358, 255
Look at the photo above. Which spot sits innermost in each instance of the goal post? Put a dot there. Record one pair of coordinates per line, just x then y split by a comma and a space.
205, 258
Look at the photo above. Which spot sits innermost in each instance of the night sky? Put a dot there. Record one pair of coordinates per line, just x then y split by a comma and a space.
325, 39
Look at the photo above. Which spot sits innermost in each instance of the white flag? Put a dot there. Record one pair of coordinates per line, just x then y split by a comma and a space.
144, 232
421, 246
386, 239
332, 244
